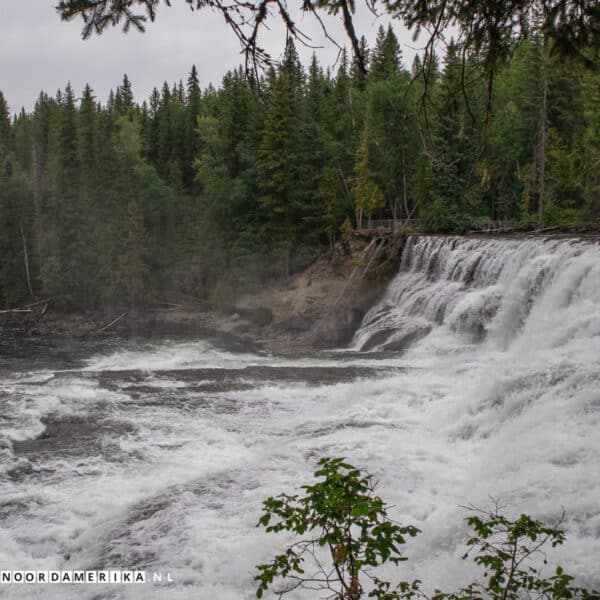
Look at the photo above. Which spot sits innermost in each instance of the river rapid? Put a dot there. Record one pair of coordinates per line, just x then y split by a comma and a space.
477, 375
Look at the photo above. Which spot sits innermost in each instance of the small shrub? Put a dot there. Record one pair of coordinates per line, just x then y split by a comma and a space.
346, 227
511, 553
346, 534
349, 534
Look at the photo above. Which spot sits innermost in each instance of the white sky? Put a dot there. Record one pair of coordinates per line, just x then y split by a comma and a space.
39, 52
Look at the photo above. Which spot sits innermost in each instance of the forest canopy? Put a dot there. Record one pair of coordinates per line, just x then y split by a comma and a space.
198, 192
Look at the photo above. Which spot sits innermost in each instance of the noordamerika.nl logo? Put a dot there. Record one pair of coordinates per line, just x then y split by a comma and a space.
83, 577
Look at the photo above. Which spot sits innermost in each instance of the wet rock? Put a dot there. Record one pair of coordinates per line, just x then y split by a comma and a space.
69, 435
21, 470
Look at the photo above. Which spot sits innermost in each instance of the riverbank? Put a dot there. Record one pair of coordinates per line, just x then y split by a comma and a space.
318, 308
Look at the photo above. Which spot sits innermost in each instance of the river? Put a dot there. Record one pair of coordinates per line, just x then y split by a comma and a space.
477, 375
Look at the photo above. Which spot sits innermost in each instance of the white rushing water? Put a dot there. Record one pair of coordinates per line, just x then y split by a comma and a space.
477, 375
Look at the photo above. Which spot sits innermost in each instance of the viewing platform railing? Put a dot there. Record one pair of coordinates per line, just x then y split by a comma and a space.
414, 224
480, 225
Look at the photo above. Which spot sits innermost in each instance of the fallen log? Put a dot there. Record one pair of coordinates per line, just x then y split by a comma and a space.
46, 301
373, 256
356, 268
501, 230
545, 229
26, 308
114, 322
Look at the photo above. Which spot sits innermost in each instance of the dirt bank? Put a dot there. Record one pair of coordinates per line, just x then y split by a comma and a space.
320, 307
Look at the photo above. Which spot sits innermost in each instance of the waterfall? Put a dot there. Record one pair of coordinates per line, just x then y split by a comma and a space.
498, 292
477, 376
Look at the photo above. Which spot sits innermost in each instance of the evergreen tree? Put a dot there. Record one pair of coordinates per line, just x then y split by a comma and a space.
454, 147
368, 196
88, 135
5, 127
279, 160
165, 137
124, 98
193, 83
386, 60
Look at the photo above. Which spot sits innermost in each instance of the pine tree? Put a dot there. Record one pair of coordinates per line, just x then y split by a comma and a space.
88, 133
368, 196
124, 101
345, 119
151, 132
591, 144
386, 60
193, 83
5, 128
455, 145
72, 281
165, 136
279, 160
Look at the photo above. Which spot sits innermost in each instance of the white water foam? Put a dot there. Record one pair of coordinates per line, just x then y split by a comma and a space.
500, 397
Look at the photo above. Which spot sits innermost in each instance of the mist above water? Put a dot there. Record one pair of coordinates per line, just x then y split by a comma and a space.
157, 456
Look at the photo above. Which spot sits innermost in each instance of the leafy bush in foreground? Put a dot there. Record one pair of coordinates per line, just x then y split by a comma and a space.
346, 534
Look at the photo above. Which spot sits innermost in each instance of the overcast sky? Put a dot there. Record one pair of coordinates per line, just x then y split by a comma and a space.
39, 52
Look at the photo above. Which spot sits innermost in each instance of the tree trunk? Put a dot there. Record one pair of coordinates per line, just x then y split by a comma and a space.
26, 255
37, 202
405, 192
407, 213
543, 143
359, 216
287, 262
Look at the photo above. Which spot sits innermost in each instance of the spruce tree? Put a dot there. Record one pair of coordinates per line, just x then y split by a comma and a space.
5, 128
386, 59
165, 137
279, 160
124, 104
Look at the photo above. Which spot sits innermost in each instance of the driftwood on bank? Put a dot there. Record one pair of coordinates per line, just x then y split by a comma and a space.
38, 303
351, 278
360, 265
376, 252
545, 229
521, 229
27, 308
164, 306
114, 322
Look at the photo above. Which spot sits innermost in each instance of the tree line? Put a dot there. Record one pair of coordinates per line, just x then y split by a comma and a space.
202, 192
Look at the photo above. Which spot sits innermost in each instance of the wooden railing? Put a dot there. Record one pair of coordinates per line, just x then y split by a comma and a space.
490, 225
481, 225
414, 224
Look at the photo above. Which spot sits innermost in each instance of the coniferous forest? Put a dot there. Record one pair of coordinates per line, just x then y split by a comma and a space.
200, 191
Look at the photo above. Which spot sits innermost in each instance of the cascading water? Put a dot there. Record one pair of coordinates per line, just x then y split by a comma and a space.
478, 374
495, 290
